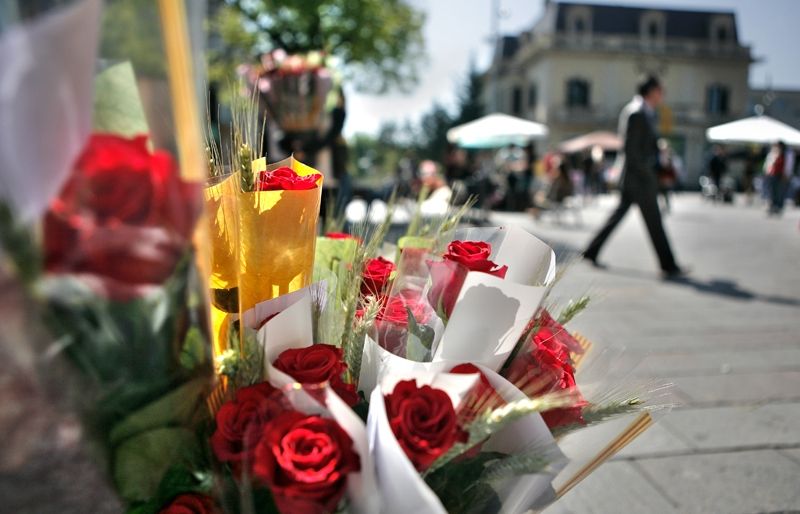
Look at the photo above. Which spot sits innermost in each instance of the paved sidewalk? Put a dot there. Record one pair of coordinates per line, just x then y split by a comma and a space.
728, 338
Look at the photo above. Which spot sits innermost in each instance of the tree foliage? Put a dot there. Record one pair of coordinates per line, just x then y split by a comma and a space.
380, 41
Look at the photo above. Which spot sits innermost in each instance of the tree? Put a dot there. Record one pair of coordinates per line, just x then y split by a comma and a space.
380, 41
470, 100
433, 127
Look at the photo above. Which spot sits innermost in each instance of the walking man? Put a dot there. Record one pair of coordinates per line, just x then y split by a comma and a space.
639, 181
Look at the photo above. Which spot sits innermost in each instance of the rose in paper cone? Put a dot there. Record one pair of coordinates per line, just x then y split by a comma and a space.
392, 320
423, 420
239, 423
305, 461
124, 218
375, 277
544, 367
448, 275
316, 364
277, 234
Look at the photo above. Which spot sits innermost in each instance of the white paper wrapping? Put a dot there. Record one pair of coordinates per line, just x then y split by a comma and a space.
490, 315
362, 488
45, 103
529, 259
291, 328
403, 491
381, 370
519, 494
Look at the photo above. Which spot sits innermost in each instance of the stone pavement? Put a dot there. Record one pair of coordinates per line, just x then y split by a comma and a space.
728, 338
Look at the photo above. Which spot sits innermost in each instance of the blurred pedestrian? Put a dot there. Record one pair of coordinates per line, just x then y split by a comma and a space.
775, 170
334, 139
667, 172
717, 166
639, 184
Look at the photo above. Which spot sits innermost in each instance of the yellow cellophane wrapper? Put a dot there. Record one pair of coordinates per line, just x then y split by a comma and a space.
277, 235
222, 219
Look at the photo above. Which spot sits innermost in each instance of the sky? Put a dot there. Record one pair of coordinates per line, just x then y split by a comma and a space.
458, 30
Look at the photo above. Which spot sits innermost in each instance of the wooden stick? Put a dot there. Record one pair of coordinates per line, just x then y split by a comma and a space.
634, 430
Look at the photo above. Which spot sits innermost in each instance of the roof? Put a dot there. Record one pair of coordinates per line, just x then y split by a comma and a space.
614, 19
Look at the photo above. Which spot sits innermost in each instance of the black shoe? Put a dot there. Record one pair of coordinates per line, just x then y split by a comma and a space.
676, 273
592, 259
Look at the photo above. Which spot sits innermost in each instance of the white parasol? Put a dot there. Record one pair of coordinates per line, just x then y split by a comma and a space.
757, 129
495, 131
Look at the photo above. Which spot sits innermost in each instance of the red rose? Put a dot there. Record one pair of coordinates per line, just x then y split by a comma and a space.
482, 397
191, 503
305, 460
395, 309
474, 255
239, 422
341, 235
124, 217
544, 368
423, 420
316, 364
286, 179
560, 334
448, 276
375, 276
392, 320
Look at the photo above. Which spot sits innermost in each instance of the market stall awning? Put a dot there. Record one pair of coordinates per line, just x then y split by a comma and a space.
495, 131
608, 141
757, 130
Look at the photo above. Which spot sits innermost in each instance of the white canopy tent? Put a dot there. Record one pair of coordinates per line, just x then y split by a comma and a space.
608, 141
495, 131
754, 130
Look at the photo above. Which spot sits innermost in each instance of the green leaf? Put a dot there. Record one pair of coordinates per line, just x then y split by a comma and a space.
459, 487
420, 339
573, 308
142, 461
177, 480
193, 352
117, 105
176, 408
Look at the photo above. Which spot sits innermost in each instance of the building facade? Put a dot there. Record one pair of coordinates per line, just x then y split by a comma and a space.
580, 63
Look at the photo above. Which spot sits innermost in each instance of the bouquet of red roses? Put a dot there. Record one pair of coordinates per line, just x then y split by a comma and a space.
294, 87
458, 406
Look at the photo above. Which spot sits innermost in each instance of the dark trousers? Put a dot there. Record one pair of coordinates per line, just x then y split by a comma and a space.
648, 204
777, 193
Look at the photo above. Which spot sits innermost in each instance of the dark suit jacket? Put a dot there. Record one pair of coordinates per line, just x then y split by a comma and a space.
641, 155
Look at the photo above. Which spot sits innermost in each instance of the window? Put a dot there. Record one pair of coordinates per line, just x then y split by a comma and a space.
516, 100
579, 21
717, 100
577, 93
533, 94
722, 31
652, 27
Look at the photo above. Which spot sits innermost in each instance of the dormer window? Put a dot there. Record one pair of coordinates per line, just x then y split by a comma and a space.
722, 31
652, 27
579, 21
